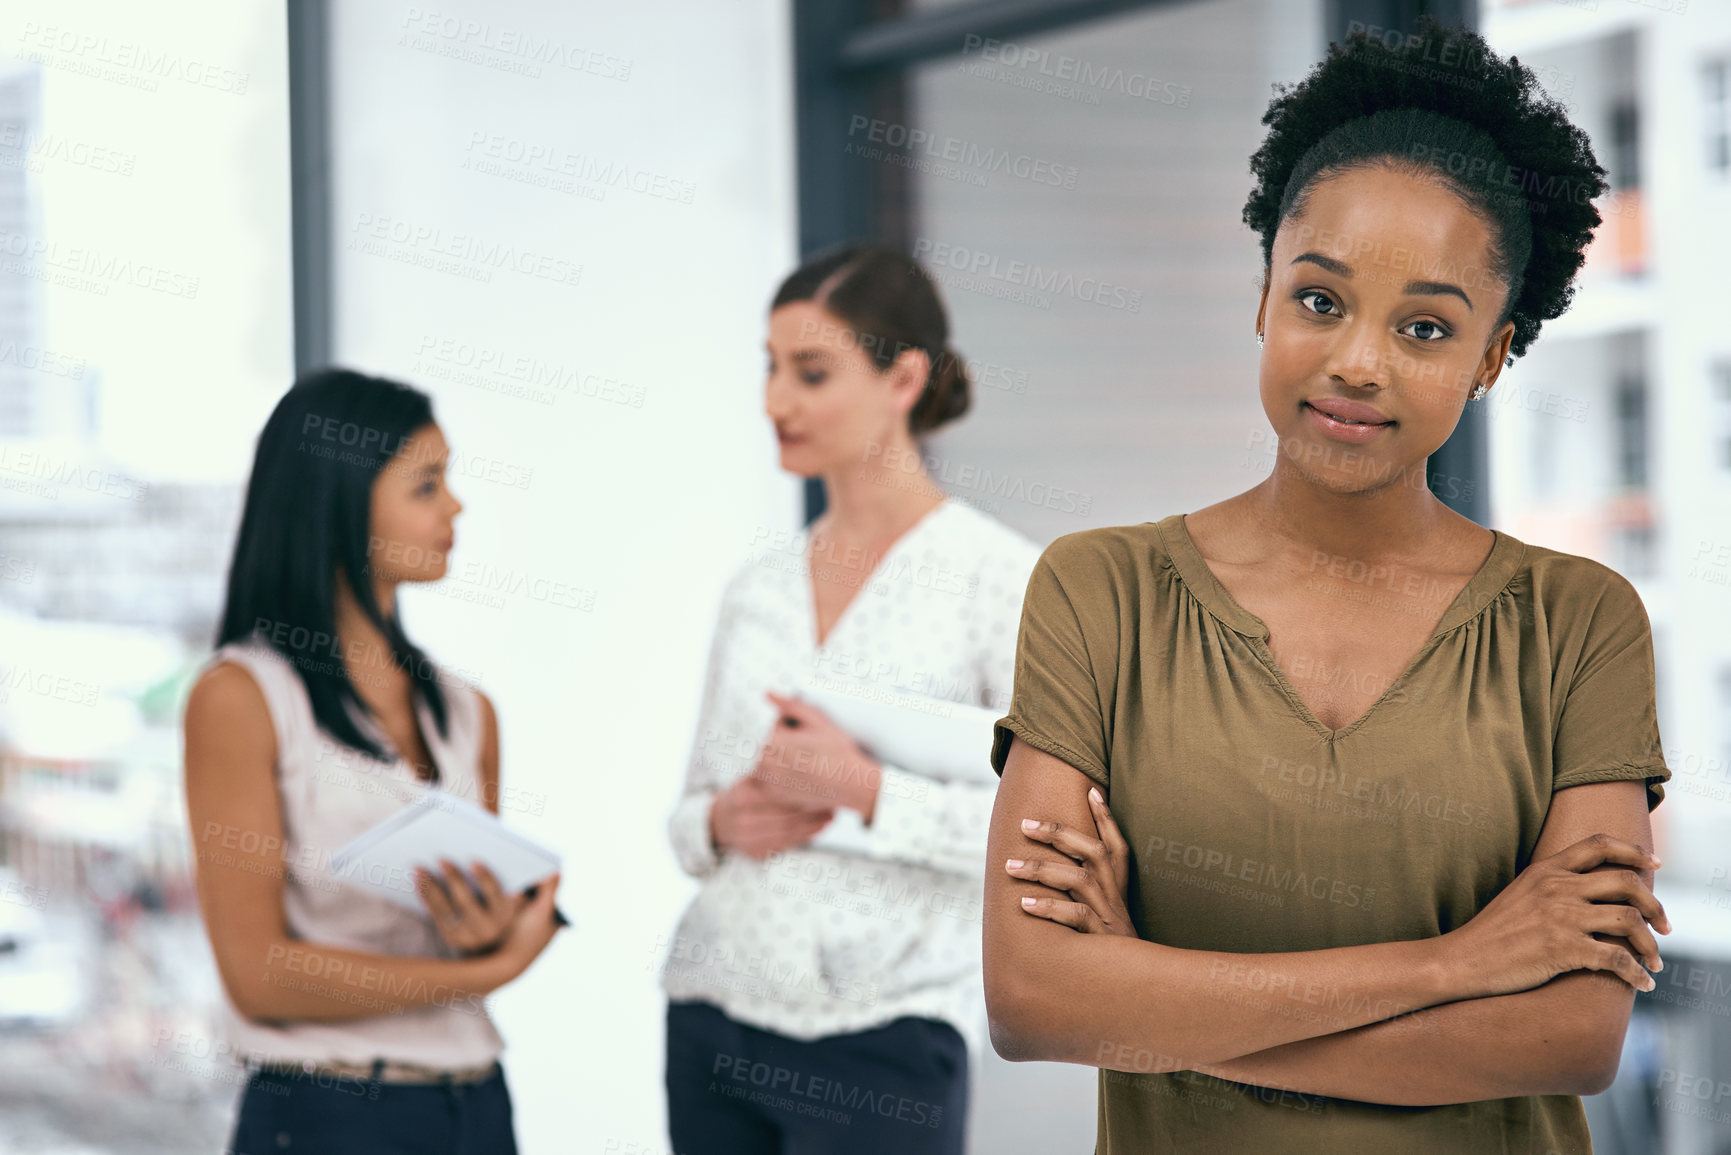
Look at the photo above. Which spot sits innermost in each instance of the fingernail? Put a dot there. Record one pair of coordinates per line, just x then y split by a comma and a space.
1028, 904
1014, 864
1658, 964
1030, 824
1094, 793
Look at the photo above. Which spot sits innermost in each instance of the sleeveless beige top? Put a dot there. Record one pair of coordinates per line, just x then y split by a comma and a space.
329, 794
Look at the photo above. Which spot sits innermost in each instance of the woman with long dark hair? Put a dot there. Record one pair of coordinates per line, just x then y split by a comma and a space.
824, 985
1323, 823
363, 1023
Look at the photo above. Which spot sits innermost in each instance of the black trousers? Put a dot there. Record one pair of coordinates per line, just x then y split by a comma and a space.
323, 1114
733, 1089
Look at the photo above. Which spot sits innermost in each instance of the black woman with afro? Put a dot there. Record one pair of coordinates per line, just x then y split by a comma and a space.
1324, 816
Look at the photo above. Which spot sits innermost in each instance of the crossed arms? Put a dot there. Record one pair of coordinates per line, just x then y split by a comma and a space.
1505, 1010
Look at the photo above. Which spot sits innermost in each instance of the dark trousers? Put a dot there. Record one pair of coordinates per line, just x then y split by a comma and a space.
322, 1114
733, 1089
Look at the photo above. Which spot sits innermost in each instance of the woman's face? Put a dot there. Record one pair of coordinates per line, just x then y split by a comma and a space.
413, 512
1379, 310
831, 407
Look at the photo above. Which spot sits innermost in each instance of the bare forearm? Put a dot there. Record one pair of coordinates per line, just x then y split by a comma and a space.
1126, 1004
290, 980
1555, 1039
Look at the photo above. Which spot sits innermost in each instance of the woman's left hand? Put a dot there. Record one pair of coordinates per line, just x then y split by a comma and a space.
1095, 882
812, 763
470, 923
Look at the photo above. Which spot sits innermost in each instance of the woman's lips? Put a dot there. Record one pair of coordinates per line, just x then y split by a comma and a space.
1342, 430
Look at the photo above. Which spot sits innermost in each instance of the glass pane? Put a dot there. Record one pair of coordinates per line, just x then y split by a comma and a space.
1624, 381
1079, 200
144, 334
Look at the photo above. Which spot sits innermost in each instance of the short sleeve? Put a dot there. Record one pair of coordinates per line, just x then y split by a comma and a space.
1058, 703
1608, 730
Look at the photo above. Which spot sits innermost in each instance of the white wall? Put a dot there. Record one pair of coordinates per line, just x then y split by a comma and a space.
636, 510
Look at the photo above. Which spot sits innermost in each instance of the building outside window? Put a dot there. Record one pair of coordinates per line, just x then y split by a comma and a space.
1721, 434
1716, 79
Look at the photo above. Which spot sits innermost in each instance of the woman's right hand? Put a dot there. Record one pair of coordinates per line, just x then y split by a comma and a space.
1542, 924
531, 930
750, 818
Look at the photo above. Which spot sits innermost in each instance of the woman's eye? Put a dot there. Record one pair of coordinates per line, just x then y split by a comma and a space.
1440, 331
1323, 297
426, 489
814, 376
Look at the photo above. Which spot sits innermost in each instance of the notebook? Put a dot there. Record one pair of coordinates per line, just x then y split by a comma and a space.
382, 860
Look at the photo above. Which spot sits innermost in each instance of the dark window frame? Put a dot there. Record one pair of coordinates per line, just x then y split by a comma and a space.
309, 177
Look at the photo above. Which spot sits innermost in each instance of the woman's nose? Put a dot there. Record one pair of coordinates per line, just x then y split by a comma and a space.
1359, 358
776, 400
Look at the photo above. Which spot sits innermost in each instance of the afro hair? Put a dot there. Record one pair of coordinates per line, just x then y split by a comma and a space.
1441, 105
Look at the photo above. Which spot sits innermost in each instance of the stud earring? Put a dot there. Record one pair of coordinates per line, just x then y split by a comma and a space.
1479, 390
1259, 338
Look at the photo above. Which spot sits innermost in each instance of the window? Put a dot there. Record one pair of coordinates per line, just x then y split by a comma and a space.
1718, 115
145, 331
1625, 146
1543, 456
1721, 409
1725, 716
1632, 434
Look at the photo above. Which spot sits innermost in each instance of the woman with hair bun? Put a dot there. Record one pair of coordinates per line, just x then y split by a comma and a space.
1324, 814
824, 985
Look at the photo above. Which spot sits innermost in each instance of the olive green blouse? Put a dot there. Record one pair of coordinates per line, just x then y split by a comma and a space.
1254, 828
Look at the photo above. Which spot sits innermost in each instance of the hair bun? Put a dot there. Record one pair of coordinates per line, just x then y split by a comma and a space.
947, 395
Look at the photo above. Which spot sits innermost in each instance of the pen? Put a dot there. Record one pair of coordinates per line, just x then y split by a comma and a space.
559, 918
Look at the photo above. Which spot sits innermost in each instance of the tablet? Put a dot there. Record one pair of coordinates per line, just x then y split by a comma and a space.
931, 736
439, 825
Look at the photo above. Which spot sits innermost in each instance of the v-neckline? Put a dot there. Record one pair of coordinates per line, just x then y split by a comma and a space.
810, 581
423, 728
1492, 576
428, 733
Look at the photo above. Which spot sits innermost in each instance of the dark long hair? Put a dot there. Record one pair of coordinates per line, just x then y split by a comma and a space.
307, 516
